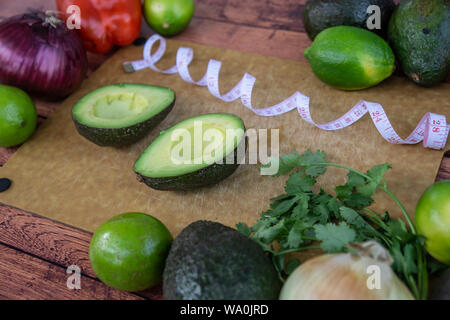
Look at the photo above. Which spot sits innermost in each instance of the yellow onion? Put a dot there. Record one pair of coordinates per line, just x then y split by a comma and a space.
364, 274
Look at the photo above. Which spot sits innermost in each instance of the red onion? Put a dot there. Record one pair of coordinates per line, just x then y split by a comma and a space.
40, 55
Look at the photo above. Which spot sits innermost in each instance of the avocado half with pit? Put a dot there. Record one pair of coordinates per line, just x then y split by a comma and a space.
121, 114
196, 152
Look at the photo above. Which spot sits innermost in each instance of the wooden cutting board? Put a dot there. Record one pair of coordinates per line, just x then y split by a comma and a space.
60, 175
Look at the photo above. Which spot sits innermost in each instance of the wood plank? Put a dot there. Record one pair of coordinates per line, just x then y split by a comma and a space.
50, 240
269, 14
45, 238
6, 153
10, 8
444, 170
27, 277
269, 42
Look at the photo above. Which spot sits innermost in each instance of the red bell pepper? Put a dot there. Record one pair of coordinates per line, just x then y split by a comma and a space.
105, 23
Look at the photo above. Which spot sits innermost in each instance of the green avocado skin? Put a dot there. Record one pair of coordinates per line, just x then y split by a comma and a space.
322, 14
120, 137
209, 261
419, 33
205, 177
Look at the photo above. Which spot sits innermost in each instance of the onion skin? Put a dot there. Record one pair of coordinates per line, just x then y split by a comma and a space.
343, 277
40, 58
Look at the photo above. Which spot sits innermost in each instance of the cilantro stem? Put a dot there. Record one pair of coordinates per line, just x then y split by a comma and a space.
378, 222
413, 287
402, 208
376, 219
423, 273
277, 268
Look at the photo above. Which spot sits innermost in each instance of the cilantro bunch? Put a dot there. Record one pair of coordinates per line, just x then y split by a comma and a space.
301, 219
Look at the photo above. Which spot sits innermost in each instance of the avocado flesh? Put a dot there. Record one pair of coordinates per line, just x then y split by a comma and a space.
121, 114
319, 15
419, 33
209, 261
196, 152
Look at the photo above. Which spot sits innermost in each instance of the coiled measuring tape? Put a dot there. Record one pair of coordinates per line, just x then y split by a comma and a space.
432, 129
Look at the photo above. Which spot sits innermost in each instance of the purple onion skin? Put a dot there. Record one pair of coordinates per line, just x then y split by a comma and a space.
39, 58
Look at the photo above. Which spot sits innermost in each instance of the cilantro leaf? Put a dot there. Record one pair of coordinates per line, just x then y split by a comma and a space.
299, 183
295, 238
284, 206
334, 237
398, 230
358, 201
309, 157
315, 171
355, 180
377, 174
268, 234
291, 266
352, 217
334, 205
291, 161
244, 229
322, 213
343, 192
286, 163
404, 258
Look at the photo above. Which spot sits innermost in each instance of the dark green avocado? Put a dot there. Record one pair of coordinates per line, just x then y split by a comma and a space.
165, 164
419, 34
322, 14
210, 261
121, 114
205, 177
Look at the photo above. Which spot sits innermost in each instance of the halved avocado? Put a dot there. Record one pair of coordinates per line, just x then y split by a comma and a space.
121, 114
196, 152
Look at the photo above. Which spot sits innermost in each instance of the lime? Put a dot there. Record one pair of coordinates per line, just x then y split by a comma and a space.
18, 116
128, 252
168, 17
350, 58
432, 219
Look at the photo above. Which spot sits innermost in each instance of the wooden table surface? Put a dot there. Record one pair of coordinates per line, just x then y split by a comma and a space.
35, 251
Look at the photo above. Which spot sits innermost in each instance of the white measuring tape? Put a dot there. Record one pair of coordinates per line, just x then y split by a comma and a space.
432, 129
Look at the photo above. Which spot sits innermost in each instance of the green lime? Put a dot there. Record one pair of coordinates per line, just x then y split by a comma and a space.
432, 219
350, 58
168, 17
128, 252
18, 116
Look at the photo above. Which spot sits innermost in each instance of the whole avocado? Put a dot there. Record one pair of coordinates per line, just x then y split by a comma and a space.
419, 33
209, 261
322, 14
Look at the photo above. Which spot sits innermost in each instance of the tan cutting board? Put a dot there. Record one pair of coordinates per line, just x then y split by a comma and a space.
60, 175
